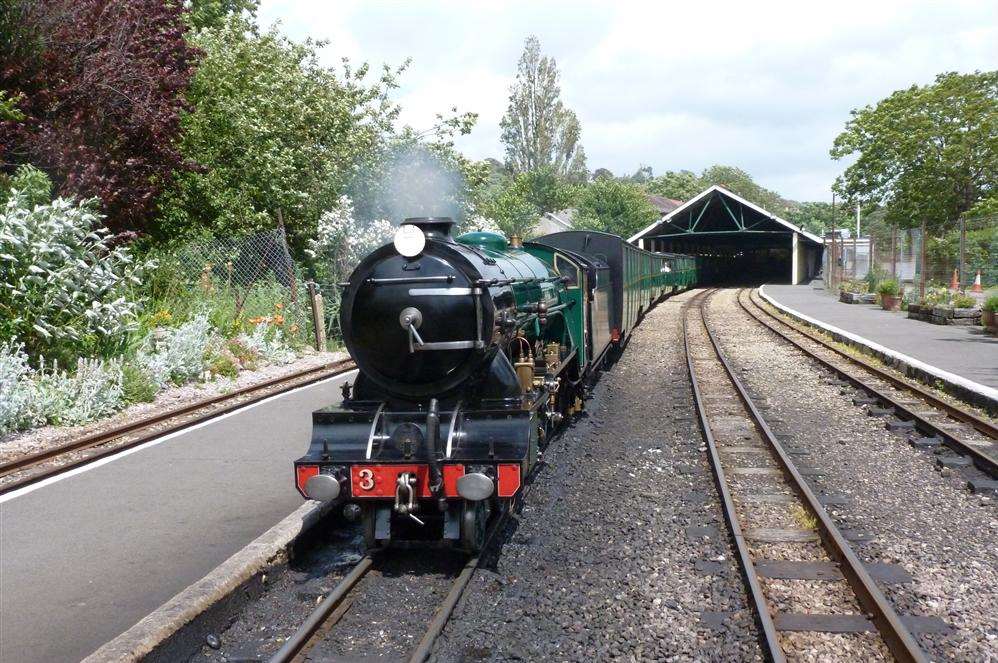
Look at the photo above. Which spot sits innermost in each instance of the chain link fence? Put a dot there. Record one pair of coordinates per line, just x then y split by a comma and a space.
249, 280
954, 258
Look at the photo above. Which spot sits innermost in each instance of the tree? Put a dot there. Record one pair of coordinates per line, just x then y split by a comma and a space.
677, 184
509, 207
214, 13
819, 217
537, 130
927, 153
545, 190
94, 90
738, 181
602, 174
643, 174
614, 206
272, 129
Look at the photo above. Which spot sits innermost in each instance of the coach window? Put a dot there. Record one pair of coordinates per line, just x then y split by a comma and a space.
566, 268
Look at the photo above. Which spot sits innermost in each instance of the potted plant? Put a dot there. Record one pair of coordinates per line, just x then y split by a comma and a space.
990, 314
890, 294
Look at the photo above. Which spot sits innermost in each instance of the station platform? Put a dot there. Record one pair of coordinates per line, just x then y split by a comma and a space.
964, 358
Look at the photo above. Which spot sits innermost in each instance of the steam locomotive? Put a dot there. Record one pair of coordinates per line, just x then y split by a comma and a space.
471, 352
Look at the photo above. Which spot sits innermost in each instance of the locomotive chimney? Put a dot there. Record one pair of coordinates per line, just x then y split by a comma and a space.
434, 227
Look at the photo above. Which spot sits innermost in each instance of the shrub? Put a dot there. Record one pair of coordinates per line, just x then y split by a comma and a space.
273, 349
64, 286
93, 392
177, 355
888, 288
137, 385
225, 364
15, 393
964, 301
991, 303
247, 356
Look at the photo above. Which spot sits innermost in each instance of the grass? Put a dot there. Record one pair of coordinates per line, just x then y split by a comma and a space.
803, 517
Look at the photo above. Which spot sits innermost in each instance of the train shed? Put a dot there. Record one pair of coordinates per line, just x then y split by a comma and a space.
737, 240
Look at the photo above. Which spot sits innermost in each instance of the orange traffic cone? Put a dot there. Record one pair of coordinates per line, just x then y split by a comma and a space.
954, 283
977, 283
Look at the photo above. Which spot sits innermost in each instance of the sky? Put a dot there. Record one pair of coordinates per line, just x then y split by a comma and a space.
765, 86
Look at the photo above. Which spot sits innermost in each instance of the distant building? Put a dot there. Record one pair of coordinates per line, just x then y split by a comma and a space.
553, 222
662, 204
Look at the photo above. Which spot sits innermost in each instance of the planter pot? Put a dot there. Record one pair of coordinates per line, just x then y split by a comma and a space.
988, 319
889, 302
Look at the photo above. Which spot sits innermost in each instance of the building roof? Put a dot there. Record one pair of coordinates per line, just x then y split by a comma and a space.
663, 204
693, 202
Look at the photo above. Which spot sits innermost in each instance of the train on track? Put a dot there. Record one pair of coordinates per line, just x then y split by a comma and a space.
471, 352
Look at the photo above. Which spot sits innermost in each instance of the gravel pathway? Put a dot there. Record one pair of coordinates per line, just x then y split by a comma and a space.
922, 519
621, 544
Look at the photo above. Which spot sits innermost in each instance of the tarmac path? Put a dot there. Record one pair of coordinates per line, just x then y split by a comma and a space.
85, 557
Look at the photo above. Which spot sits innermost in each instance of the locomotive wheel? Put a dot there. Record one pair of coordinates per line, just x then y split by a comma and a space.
473, 521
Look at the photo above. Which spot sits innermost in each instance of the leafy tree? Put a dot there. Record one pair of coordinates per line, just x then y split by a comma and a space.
738, 181
927, 153
602, 174
818, 217
271, 129
643, 174
546, 190
214, 13
677, 184
93, 91
537, 130
509, 207
615, 206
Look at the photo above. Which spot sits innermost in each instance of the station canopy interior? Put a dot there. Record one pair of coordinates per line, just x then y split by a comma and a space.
738, 241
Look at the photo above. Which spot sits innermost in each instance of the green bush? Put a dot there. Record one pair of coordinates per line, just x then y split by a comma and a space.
964, 301
888, 288
991, 303
137, 385
224, 364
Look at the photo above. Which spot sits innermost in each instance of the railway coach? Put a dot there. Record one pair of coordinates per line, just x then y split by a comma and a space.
471, 352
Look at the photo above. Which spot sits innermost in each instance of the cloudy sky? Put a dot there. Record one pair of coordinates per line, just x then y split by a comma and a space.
765, 86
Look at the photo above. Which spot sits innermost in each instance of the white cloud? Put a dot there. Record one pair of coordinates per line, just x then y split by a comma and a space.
671, 85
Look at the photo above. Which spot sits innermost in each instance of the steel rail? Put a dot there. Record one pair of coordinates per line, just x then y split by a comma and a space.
896, 635
422, 651
770, 639
984, 461
293, 645
954, 411
149, 428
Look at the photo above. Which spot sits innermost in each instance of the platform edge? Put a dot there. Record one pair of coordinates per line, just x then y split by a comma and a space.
973, 392
267, 550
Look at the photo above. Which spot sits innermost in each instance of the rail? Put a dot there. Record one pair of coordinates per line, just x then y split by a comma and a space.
896, 636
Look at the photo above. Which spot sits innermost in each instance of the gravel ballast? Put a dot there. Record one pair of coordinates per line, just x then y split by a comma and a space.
922, 519
603, 560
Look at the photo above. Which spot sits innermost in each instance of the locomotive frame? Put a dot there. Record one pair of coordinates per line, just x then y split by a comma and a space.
471, 353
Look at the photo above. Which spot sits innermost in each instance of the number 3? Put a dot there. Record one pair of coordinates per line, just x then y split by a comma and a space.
366, 479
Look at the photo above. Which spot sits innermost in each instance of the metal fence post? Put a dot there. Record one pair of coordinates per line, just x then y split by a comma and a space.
318, 316
921, 278
963, 251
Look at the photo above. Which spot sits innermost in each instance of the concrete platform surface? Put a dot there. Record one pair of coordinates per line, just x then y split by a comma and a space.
966, 352
86, 557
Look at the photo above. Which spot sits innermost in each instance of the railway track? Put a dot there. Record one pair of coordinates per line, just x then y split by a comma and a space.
31, 468
974, 439
780, 528
317, 632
